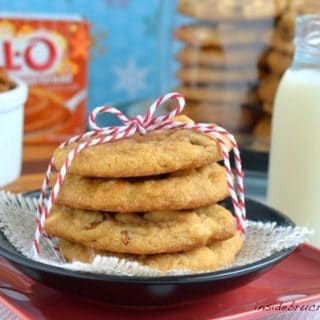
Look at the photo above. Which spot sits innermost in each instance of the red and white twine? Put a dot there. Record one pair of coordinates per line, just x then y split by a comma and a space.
140, 124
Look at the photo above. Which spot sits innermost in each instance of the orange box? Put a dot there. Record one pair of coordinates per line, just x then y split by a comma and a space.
51, 54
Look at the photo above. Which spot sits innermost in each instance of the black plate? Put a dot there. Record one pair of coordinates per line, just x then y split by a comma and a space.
135, 291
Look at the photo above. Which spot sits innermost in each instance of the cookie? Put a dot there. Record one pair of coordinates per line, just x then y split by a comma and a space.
185, 189
206, 258
6, 83
5, 87
278, 62
262, 134
279, 43
155, 153
268, 88
219, 95
217, 10
218, 58
210, 257
304, 6
147, 233
286, 25
263, 128
221, 36
233, 117
267, 108
202, 75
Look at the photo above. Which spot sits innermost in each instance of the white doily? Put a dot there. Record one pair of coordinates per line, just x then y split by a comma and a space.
17, 222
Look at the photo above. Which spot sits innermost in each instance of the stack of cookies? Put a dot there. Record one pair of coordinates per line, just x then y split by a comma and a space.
222, 60
151, 199
278, 59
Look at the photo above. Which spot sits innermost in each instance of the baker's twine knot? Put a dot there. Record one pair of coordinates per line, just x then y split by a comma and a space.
141, 124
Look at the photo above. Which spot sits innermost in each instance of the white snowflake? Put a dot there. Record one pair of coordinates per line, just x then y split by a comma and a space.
130, 78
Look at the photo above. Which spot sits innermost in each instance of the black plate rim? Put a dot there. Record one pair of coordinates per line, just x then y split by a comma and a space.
23, 261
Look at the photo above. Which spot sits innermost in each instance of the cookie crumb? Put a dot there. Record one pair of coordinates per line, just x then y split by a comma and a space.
125, 237
92, 224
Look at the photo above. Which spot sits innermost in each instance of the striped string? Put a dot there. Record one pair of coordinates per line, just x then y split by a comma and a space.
139, 124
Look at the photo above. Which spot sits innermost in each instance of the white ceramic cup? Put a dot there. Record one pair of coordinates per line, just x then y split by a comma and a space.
11, 131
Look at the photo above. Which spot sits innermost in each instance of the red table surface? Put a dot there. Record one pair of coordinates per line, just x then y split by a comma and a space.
299, 274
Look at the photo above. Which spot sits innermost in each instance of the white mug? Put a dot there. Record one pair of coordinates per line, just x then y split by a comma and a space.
11, 131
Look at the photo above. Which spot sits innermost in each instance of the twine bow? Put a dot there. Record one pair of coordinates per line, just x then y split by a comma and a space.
140, 124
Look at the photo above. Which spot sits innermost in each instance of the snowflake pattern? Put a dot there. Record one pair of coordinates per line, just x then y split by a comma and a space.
130, 78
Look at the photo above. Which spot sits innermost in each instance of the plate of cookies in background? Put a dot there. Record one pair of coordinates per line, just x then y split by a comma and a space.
230, 56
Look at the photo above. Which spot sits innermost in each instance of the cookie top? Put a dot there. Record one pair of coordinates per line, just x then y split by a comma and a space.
221, 36
155, 153
147, 233
184, 189
219, 58
216, 10
203, 75
206, 258
219, 95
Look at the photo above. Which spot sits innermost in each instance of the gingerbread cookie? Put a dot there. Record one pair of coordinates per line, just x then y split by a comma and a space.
216, 10
175, 191
221, 36
147, 233
201, 75
219, 95
207, 258
268, 88
218, 58
157, 152
278, 62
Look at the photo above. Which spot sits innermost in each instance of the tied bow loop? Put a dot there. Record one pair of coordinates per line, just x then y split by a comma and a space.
141, 124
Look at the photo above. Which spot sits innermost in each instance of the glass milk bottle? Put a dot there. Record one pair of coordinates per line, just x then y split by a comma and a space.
294, 172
